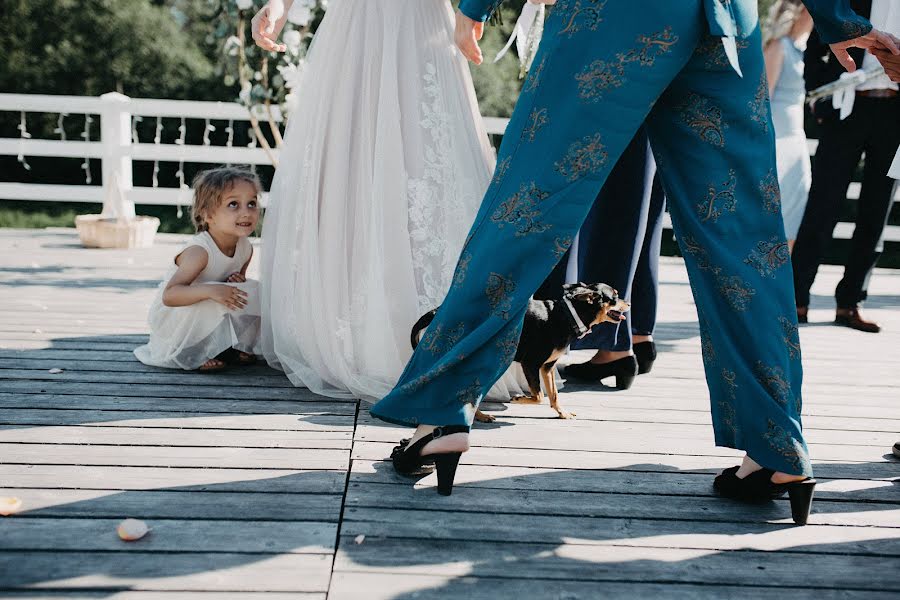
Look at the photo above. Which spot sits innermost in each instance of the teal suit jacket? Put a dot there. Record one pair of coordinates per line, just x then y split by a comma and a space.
835, 20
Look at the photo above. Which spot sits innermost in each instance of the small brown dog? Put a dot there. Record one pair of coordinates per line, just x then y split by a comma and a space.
550, 327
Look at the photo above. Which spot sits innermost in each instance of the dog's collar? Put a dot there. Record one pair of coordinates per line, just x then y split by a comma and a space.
580, 328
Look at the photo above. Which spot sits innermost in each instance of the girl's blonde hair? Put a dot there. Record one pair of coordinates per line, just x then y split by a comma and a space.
780, 19
211, 185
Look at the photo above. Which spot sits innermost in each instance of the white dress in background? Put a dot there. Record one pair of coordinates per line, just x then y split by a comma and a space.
384, 165
185, 337
792, 153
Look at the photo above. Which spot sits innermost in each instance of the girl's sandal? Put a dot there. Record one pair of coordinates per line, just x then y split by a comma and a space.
236, 357
245, 358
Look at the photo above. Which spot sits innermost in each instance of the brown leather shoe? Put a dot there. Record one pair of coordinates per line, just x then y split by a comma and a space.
850, 317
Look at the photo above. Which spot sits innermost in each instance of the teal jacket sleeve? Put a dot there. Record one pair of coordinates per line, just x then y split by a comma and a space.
836, 21
478, 10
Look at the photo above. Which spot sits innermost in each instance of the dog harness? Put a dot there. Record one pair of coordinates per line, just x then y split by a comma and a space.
580, 328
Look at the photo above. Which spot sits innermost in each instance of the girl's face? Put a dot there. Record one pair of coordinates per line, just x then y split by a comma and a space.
237, 213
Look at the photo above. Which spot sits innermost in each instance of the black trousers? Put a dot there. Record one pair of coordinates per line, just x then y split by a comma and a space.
619, 244
874, 128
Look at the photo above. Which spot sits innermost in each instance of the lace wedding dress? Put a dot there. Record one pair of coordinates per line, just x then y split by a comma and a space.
384, 165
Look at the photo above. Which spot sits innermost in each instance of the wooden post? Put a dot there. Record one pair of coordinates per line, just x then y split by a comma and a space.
115, 135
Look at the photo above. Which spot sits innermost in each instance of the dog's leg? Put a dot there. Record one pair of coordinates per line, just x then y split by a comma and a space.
548, 373
484, 417
532, 376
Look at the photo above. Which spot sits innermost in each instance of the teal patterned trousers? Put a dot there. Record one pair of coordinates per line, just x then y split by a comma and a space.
603, 69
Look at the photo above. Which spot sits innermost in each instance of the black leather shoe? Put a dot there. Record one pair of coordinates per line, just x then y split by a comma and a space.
645, 353
758, 487
624, 370
803, 314
850, 317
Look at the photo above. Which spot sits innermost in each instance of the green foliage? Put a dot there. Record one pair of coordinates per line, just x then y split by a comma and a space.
90, 47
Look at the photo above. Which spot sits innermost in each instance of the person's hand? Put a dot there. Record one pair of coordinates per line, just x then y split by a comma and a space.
890, 62
873, 40
266, 26
228, 296
468, 32
235, 278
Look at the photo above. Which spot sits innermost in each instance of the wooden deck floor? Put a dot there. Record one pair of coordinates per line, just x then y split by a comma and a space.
255, 489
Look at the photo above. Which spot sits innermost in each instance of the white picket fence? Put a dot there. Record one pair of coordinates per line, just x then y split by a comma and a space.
118, 147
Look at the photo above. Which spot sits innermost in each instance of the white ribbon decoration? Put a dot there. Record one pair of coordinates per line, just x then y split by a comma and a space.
894, 171
731, 51
844, 97
527, 36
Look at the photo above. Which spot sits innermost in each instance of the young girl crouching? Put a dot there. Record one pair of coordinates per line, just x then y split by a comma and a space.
206, 313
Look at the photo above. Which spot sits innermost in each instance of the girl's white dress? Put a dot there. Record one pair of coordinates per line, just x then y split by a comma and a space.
185, 337
384, 165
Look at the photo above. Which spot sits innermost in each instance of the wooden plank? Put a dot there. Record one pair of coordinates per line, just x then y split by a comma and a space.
174, 595
60, 477
225, 391
232, 572
182, 420
353, 585
168, 535
659, 483
634, 506
154, 456
179, 504
152, 437
605, 531
878, 467
170, 376
572, 562
315, 405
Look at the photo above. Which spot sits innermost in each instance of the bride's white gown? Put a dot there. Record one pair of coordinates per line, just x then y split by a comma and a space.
384, 165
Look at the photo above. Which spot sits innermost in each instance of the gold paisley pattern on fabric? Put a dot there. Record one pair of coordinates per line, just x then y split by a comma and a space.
719, 200
602, 75
791, 336
705, 118
781, 442
759, 106
498, 291
584, 157
534, 78
769, 256
471, 394
536, 120
440, 341
579, 15
773, 379
713, 52
650, 47
508, 345
735, 290
771, 193
561, 246
500, 170
521, 211
462, 268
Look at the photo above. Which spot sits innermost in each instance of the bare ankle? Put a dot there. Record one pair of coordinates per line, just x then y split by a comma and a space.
605, 356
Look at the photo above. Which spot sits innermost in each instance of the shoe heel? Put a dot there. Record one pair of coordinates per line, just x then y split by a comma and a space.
801, 495
446, 471
623, 382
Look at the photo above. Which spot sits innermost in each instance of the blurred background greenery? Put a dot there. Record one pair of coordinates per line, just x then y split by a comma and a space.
164, 49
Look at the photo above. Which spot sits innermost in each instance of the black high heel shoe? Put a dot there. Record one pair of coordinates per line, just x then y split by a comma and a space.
409, 461
758, 487
625, 370
645, 353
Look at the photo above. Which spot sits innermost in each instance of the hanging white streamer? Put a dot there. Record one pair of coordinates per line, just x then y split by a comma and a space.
527, 35
844, 97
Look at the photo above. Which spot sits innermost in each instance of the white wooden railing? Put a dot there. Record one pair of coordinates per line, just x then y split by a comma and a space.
118, 147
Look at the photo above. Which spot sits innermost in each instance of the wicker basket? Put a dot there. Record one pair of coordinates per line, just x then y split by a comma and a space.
97, 231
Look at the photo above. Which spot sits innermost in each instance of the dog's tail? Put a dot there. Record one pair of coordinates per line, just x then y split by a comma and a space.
420, 326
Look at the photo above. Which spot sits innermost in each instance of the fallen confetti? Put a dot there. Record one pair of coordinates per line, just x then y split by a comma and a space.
359, 539
55, 371
130, 530
10, 506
